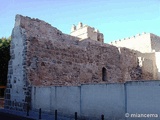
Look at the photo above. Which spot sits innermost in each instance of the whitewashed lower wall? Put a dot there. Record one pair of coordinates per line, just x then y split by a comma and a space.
91, 101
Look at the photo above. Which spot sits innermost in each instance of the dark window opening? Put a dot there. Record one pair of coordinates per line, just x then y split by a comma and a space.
104, 74
2, 89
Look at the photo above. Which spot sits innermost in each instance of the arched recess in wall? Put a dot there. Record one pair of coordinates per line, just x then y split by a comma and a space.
104, 74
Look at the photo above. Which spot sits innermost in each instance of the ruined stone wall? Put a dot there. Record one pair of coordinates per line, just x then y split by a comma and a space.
73, 64
61, 61
54, 58
41, 55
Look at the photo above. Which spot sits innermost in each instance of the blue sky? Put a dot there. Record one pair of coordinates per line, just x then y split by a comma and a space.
114, 18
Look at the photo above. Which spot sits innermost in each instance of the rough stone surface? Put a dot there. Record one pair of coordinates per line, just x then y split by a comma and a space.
43, 56
53, 58
146, 46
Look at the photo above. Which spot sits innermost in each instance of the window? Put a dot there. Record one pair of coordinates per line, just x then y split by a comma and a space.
104, 74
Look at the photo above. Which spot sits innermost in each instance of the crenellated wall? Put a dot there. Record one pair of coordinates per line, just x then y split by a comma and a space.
145, 43
85, 31
140, 42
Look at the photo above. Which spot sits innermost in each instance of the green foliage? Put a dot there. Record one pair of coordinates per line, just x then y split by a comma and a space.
4, 59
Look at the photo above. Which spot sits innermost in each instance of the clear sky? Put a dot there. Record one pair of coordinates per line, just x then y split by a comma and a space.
116, 19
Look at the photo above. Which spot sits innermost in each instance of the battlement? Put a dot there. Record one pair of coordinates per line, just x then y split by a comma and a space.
128, 38
85, 31
140, 42
144, 42
81, 26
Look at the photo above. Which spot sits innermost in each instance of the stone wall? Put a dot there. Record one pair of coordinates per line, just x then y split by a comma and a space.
41, 55
54, 58
17, 93
145, 46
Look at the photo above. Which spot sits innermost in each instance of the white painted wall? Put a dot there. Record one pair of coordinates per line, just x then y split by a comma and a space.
42, 98
67, 100
140, 42
91, 101
107, 99
143, 98
64, 99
